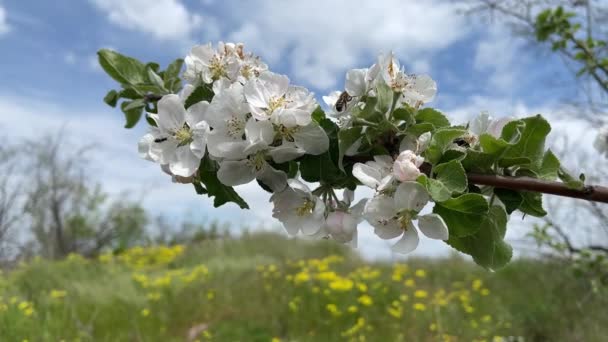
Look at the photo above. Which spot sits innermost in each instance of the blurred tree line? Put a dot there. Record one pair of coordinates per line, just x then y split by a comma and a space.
50, 208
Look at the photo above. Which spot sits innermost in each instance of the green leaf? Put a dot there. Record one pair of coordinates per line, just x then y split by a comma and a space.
222, 194
347, 137
531, 143
199, 188
532, 204
201, 93
419, 129
451, 178
155, 79
477, 161
405, 113
570, 181
432, 116
487, 245
493, 146
440, 141
111, 98
133, 111
123, 69
463, 214
318, 114
549, 168
173, 69
510, 198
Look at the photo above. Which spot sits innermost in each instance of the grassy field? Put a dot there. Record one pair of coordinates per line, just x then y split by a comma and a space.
265, 288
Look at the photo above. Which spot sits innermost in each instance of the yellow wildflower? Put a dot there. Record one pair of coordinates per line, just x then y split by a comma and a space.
57, 294
365, 300
145, 312
420, 273
333, 309
419, 307
420, 294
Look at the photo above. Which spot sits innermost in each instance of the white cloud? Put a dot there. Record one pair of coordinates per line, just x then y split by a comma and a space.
320, 38
163, 19
4, 27
499, 53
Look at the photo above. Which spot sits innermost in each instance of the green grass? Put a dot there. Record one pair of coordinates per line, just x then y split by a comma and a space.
264, 287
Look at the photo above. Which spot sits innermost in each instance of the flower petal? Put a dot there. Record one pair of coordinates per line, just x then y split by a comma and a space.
411, 196
367, 175
276, 180
185, 162
285, 152
233, 173
171, 113
408, 242
312, 139
433, 226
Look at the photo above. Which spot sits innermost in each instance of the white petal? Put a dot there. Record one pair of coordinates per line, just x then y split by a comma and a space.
197, 113
276, 84
285, 152
348, 196
411, 196
355, 84
312, 139
408, 242
235, 172
354, 148
260, 135
186, 92
221, 146
480, 124
357, 210
185, 163
298, 185
171, 113
367, 175
433, 226
276, 180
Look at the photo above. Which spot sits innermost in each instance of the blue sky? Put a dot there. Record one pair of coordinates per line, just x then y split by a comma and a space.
50, 78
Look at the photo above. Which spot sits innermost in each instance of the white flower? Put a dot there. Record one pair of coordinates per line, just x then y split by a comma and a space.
485, 124
228, 115
406, 166
260, 135
342, 224
419, 89
270, 97
392, 73
415, 89
179, 139
310, 139
601, 142
392, 217
205, 64
359, 82
298, 209
250, 66
376, 174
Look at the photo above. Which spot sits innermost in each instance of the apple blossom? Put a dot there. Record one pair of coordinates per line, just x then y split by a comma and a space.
375, 174
179, 139
392, 216
270, 97
298, 209
406, 166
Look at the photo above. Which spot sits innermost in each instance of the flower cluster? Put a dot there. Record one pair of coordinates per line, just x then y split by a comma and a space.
255, 119
252, 124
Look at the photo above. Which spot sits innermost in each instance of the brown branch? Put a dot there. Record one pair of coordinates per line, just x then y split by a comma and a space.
593, 193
